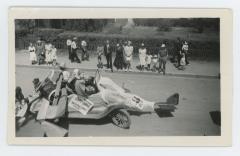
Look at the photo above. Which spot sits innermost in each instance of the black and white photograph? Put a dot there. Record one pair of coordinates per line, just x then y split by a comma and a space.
117, 77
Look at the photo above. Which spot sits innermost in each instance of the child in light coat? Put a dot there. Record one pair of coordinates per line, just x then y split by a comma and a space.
148, 60
154, 62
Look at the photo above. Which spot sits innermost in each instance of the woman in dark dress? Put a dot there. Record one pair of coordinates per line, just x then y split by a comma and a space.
119, 60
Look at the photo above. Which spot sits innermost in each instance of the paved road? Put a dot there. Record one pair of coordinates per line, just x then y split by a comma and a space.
198, 97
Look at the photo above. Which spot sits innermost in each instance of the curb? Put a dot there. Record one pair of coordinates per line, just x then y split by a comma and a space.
123, 72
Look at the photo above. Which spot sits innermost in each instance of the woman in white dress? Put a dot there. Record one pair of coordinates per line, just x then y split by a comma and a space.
48, 54
54, 55
142, 56
128, 52
32, 52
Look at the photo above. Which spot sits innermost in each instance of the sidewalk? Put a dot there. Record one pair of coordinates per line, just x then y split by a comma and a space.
195, 69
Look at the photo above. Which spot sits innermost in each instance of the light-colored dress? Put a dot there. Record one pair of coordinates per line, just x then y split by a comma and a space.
142, 56
32, 52
128, 50
148, 59
69, 42
54, 54
48, 54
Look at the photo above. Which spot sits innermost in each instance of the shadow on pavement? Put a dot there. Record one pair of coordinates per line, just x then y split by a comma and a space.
216, 117
102, 121
135, 113
164, 114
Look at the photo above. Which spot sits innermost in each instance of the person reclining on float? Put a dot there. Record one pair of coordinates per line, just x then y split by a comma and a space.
109, 93
84, 86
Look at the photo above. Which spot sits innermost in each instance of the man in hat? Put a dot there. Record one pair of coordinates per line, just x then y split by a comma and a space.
74, 48
178, 51
85, 55
40, 51
108, 54
185, 51
69, 43
162, 55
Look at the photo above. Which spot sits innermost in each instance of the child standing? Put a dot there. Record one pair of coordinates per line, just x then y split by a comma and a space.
32, 52
182, 62
154, 62
100, 50
148, 60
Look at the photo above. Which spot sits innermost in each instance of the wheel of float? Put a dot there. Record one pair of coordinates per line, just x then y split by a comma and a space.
121, 118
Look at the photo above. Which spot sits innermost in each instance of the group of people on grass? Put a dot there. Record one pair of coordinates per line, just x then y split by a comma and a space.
42, 52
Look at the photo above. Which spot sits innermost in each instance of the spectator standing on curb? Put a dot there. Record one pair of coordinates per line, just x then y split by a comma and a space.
40, 51
177, 52
148, 59
162, 55
119, 60
48, 53
85, 55
54, 55
142, 56
100, 50
128, 52
185, 51
74, 48
32, 52
182, 63
69, 43
108, 54
124, 58
154, 62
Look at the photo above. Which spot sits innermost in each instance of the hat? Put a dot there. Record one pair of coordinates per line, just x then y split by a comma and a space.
163, 45
36, 82
62, 65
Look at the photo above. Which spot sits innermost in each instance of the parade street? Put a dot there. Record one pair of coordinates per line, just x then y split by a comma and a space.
199, 98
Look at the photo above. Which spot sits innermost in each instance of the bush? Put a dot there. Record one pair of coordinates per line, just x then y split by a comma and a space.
164, 28
48, 33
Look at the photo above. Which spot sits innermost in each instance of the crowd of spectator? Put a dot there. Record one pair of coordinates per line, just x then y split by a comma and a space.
46, 53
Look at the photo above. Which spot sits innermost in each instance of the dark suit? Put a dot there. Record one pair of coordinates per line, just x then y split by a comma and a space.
108, 54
